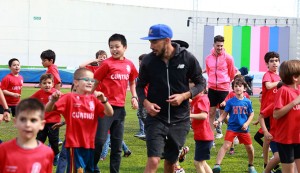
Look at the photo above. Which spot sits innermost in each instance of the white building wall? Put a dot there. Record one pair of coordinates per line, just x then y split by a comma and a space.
76, 30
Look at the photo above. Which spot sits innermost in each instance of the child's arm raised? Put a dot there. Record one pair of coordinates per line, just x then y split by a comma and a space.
50, 105
278, 113
108, 110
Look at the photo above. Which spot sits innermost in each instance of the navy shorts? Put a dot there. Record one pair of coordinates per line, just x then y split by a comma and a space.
273, 146
288, 152
202, 150
80, 159
216, 97
165, 140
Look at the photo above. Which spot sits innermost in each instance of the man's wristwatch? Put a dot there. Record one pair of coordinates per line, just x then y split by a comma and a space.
7, 110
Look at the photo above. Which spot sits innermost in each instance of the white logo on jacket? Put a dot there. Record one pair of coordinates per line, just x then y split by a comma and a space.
180, 66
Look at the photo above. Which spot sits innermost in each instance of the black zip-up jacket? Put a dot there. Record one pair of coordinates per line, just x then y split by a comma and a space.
166, 79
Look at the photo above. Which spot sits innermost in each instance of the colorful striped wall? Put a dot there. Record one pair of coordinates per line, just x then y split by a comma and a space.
249, 44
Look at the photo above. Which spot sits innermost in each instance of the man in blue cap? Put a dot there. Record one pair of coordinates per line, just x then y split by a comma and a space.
167, 71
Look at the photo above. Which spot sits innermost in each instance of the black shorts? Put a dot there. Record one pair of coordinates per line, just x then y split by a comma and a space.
288, 152
11, 108
216, 97
202, 150
165, 140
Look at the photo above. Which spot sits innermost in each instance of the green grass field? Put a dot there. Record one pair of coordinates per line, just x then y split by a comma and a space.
236, 163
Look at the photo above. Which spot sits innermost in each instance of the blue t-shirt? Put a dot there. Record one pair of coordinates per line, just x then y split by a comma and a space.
239, 111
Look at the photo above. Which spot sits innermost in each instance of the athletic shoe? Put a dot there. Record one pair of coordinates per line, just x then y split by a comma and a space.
178, 169
140, 135
127, 153
251, 169
183, 153
231, 152
102, 158
60, 142
216, 169
219, 135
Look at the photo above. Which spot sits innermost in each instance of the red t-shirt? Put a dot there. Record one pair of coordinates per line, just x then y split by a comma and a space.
13, 158
81, 115
202, 130
232, 94
288, 129
52, 69
13, 84
269, 111
43, 96
114, 76
267, 96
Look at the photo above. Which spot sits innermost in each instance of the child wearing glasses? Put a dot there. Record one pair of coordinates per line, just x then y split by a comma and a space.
80, 110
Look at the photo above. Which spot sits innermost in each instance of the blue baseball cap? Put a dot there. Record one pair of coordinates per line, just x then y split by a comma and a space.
159, 31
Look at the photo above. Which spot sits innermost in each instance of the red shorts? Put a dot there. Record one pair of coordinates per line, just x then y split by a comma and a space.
244, 138
260, 131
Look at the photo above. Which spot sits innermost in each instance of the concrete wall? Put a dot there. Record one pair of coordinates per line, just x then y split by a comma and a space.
75, 30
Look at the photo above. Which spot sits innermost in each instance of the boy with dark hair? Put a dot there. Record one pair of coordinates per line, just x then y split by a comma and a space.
25, 153
80, 110
114, 75
287, 112
241, 114
48, 60
51, 118
269, 90
11, 86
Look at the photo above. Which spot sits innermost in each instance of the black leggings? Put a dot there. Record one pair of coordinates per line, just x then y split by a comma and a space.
258, 137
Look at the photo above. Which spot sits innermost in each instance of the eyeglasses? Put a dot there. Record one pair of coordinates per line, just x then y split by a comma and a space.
86, 79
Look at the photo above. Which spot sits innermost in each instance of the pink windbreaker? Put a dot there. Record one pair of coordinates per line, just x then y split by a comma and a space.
220, 70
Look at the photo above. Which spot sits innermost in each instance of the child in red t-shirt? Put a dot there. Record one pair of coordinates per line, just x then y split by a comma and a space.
287, 113
269, 90
81, 110
203, 134
48, 60
114, 75
51, 118
11, 86
25, 153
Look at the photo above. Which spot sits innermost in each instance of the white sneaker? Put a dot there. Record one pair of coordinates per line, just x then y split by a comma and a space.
219, 135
